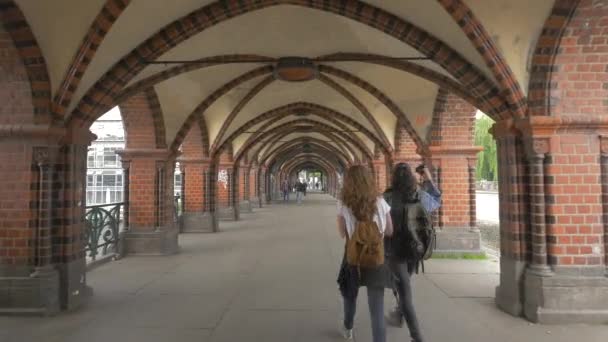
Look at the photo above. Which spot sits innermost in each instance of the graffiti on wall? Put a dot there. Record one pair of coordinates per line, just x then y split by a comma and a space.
222, 177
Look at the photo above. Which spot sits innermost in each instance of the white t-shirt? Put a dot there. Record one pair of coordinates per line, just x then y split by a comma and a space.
379, 216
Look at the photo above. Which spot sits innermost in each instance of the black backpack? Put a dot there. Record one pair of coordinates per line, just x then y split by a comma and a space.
409, 218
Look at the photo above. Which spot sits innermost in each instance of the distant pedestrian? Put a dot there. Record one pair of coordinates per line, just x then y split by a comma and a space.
300, 191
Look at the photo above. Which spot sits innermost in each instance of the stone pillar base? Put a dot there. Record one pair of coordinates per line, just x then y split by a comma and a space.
458, 240
256, 202
245, 207
74, 290
23, 292
225, 214
566, 298
509, 292
162, 242
196, 223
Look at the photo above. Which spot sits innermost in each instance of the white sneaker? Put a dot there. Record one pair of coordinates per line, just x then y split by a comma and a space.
347, 333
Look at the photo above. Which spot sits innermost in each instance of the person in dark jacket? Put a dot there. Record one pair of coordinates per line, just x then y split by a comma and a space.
406, 189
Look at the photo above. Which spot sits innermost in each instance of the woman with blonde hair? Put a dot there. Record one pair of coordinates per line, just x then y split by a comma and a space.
363, 220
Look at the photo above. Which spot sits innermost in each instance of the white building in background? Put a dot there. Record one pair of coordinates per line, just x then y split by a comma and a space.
105, 183
104, 170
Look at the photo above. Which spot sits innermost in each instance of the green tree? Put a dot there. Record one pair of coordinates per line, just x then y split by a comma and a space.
487, 164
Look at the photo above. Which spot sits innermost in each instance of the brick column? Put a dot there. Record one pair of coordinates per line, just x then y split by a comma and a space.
452, 167
195, 216
152, 230
225, 192
244, 202
513, 199
565, 278
537, 150
604, 179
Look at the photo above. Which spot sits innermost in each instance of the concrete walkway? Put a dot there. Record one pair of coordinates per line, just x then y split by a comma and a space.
271, 277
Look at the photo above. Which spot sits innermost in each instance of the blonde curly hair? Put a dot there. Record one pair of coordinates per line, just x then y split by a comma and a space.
359, 192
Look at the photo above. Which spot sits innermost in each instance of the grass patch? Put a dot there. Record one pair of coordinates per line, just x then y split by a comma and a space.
456, 255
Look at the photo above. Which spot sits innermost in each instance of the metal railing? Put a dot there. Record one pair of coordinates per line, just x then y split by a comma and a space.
103, 223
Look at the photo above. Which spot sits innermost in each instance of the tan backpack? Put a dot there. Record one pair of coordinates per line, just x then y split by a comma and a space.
366, 247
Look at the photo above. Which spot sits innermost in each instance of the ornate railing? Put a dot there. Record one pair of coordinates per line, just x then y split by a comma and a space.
102, 228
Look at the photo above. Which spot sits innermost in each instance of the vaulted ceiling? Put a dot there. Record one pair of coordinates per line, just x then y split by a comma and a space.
350, 108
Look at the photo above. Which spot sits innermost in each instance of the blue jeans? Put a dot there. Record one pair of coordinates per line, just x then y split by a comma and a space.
403, 287
375, 301
299, 196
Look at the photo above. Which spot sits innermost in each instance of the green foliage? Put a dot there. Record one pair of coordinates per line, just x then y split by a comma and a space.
457, 255
487, 163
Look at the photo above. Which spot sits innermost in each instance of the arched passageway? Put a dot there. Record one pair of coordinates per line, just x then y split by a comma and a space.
372, 83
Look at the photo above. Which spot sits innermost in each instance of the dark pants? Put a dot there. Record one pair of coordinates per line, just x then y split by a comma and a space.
375, 301
403, 288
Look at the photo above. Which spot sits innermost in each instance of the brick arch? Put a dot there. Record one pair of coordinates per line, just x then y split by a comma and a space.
335, 117
313, 141
193, 146
486, 96
544, 60
272, 157
339, 137
577, 81
102, 24
295, 163
294, 156
157, 117
344, 146
287, 151
358, 104
486, 93
434, 134
141, 122
171, 35
30, 55
198, 112
405, 147
290, 125
484, 44
380, 96
237, 109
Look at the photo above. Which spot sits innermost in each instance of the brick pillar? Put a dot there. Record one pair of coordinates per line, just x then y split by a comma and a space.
225, 192
565, 280
453, 169
513, 206
152, 230
195, 216
380, 169
244, 202
604, 180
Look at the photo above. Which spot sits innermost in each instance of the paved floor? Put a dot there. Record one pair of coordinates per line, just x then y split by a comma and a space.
271, 277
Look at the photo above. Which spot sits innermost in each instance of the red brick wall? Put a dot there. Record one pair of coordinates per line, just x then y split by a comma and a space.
195, 182
223, 190
16, 227
15, 90
138, 122
457, 120
451, 139
574, 201
142, 211
579, 78
17, 168
252, 182
455, 209
242, 176
192, 146
405, 147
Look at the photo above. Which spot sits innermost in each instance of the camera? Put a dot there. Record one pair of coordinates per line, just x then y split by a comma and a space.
420, 169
